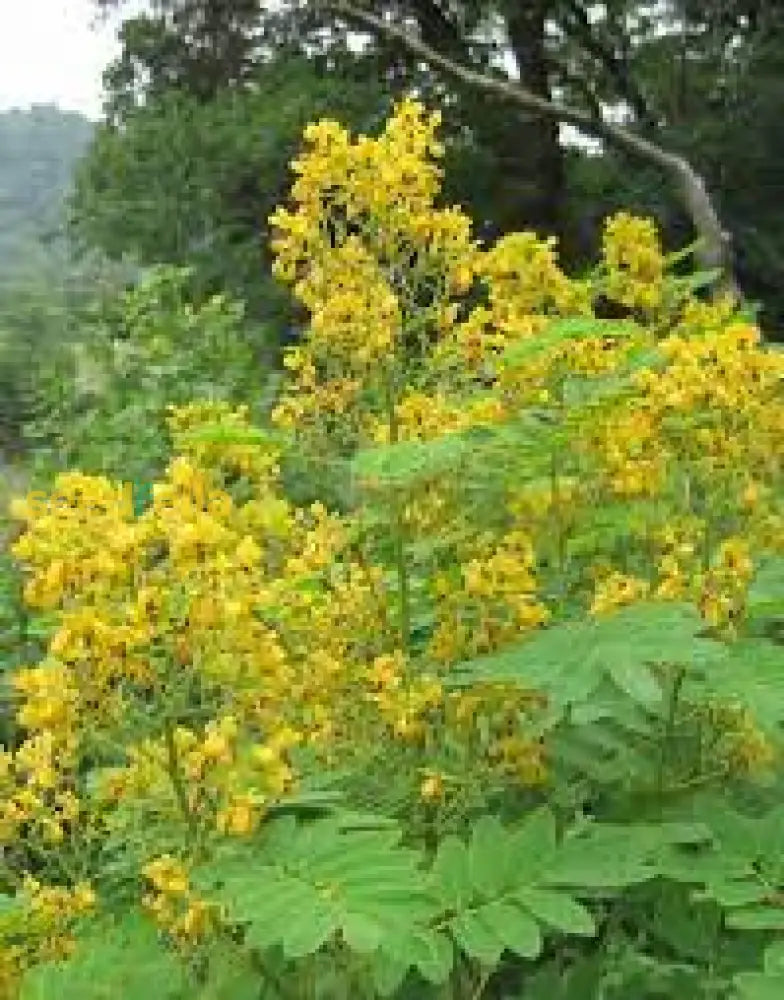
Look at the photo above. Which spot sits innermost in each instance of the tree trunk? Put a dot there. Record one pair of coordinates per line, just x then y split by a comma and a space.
528, 167
714, 245
530, 156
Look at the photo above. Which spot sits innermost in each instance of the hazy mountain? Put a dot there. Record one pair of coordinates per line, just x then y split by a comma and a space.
39, 148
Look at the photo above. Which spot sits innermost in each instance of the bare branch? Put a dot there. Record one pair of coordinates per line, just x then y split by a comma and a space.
714, 248
617, 68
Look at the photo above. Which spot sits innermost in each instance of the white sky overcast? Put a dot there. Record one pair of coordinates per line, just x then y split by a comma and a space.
54, 52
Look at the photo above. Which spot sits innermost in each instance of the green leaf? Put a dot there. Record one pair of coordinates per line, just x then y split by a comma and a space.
114, 960
774, 958
636, 680
759, 986
757, 918
699, 279
476, 938
361, 933
305, 881
487, 856
532, 844
518, 931
431, 952
558, 910
604, 856
229, 979
407, 462
306, 931
569, 662
736, 893
689, 927
450, 873
766, 593
388, 972
750, 673
569, 328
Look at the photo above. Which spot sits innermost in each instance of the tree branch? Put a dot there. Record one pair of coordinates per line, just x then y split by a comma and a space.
617, 68
714, 248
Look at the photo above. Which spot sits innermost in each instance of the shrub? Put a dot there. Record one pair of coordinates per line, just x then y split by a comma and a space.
506, 724
100, 399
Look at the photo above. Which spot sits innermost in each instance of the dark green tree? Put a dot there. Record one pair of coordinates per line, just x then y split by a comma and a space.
700, 82
188, 181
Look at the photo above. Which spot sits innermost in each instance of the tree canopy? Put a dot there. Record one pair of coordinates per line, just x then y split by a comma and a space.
699, 83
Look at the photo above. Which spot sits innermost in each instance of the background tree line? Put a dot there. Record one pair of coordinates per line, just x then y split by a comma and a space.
207, 99
702, 81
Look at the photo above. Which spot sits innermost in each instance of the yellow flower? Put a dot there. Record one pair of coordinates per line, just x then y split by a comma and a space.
167, 875
616, 591
239, 817
432, 788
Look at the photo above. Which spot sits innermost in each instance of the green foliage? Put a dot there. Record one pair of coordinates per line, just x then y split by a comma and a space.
319, 880
570, 661
102, 400
191, 183
114, 959
769, 983
308, 887
649, 866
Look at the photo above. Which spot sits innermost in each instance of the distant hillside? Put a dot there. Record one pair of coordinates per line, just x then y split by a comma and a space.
38, 151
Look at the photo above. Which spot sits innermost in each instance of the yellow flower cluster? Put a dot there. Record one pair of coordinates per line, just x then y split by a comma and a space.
491, 602
634, 262
173, 905
677, 561
628, 448
524, 280
494, 717
739, 746
718, 400
700, 432
724, 586
384, 278
38, 799
422, 417
190, 596
41, 929
217, 436
617, 590
720, 590
361, 210
206, 651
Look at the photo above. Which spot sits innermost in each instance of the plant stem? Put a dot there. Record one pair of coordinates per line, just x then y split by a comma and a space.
173, 770
484, 979
402, 579
265, 974
398, 528
556, 499
669, 728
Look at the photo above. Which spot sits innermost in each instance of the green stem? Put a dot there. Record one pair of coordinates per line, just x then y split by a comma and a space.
404, 594
173, 770
556, 516
700, 780
265, 974
399, 530
560, 534
669, 728
484, 979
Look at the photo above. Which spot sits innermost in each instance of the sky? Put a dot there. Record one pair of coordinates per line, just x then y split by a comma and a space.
51, 53
55, 51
